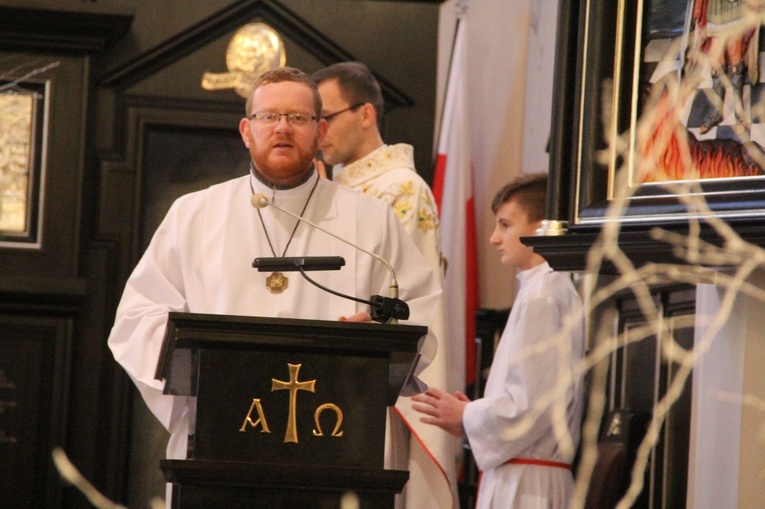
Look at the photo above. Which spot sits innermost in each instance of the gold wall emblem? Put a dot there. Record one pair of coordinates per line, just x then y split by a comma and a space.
254, 49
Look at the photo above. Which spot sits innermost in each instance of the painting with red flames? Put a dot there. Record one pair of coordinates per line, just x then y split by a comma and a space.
702, 113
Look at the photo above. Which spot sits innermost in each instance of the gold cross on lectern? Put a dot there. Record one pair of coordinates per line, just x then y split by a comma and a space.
293, 385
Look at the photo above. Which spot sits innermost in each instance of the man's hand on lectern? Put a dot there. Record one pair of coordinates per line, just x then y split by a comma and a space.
361, 316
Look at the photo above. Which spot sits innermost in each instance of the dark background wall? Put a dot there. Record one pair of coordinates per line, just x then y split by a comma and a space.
171, 44
127, 129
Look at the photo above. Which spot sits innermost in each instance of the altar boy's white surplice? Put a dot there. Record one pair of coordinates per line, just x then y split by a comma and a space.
522, 375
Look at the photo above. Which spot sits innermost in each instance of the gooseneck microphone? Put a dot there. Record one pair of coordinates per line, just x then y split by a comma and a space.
260, 201
382, 309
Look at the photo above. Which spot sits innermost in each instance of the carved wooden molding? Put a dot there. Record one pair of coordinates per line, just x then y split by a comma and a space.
287, 23
569, 252
86, 27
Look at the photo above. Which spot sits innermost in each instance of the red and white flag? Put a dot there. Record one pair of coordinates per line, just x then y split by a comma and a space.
453, 190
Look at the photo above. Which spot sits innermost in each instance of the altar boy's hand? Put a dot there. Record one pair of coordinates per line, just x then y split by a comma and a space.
443, 409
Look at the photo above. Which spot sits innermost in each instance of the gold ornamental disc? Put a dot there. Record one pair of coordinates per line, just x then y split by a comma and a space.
254, 49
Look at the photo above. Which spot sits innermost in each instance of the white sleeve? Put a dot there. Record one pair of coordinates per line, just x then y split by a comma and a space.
501, 425
153, 289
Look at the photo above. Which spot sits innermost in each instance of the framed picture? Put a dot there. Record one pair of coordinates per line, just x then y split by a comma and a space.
23, 120
670, 108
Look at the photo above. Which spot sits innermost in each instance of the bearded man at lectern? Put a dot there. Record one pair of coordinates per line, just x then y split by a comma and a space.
200, 258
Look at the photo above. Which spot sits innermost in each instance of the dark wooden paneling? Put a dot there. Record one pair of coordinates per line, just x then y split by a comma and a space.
283, 20
34, 376
62, 166
100, 390
640, 376
398, 42
77, 26
56, 298
125, 178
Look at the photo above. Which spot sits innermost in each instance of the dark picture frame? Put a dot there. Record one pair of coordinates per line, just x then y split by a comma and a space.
23, 127
608, 94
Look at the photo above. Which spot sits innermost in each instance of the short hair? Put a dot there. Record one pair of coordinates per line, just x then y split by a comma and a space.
357, 84
529, 191
279, 75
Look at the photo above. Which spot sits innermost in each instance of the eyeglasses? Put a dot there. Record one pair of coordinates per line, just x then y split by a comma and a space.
272, 118
349, 108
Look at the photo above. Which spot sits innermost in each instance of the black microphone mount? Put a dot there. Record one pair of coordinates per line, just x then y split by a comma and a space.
295, 263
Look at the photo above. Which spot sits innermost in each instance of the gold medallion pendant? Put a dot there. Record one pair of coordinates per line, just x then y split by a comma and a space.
277, 282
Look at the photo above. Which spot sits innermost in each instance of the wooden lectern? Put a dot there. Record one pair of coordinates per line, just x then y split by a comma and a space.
289, 413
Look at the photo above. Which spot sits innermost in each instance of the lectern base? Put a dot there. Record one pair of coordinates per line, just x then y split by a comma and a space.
230, 484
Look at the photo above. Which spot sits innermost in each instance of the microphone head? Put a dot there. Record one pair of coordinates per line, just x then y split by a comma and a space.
259, 201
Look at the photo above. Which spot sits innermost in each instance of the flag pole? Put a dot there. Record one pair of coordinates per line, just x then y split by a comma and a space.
461, 8
453, 191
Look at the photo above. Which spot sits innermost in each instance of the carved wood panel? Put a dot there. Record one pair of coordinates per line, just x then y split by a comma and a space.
640, 377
